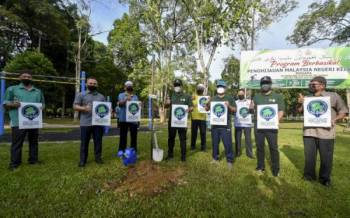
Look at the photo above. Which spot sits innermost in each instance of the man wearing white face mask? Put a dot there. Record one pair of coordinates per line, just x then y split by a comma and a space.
178, 97
223, 132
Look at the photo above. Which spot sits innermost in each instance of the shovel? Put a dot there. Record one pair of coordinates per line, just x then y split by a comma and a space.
157, 153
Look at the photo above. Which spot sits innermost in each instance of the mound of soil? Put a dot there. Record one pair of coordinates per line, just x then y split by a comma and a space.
147, 178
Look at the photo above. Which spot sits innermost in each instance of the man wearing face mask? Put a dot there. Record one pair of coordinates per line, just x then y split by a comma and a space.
320, 138
199, 120
83, 104
220, 132
177, 97
127, 95
24, 92
243, 104
267, 96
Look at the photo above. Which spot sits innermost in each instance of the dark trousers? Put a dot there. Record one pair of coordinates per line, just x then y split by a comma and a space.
85, 134
171, 141
202, 126
248, 140
124, 128
325, 148
271, 136
18, 136
224, 134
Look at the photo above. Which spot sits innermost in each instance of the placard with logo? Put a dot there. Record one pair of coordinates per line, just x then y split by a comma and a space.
30, 116
267, 116
202, 103
133, 111
218, 113
179, 115
243, 117
101, 113
317, 112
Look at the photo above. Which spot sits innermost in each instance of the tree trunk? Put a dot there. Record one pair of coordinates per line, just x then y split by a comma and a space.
63, 111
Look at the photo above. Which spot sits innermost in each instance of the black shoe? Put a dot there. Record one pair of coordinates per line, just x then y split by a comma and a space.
326, 183
308, 178
35, 162
183, 159
260, 170
81, 165
276, 174
99, 161
193, 148
169, 158
12, 168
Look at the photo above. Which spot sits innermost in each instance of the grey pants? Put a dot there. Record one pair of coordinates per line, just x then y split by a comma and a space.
248, 140
325, 148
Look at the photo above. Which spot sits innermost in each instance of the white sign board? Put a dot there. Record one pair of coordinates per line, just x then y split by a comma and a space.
243, 117
317, 112
179, 115
267, 116
133, 111
218, 113
30, 116
202, 102
101, 113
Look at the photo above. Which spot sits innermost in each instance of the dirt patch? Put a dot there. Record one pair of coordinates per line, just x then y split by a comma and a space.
147, 178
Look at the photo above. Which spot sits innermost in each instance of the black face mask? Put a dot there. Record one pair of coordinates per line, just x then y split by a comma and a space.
129, 89
265, 87
92, 88
200, 92
240, 97
312, 89
26, 82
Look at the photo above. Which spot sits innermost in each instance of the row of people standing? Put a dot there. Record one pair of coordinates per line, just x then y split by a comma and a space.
314, 138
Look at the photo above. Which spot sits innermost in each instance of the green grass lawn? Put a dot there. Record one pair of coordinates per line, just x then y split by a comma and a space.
59, 188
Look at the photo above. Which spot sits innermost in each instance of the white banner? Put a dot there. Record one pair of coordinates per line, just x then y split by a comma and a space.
218, 113
101, 113
133, 111
243, 117
294, 68
202, 103
267, 116
30, 116
317, 112
179, 115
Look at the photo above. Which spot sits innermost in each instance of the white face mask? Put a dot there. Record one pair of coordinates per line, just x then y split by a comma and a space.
220, 90
177, 89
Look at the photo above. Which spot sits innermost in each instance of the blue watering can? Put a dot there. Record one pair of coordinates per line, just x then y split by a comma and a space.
128, 157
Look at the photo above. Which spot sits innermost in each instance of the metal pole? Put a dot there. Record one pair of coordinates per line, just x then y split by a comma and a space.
106, 128
2, 98
150, 110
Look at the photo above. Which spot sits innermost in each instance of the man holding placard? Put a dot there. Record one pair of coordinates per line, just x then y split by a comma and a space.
269, 109
129, 116
221, 107
27, 101
93, 116
322, 110
243, 124
179, 104
199, 117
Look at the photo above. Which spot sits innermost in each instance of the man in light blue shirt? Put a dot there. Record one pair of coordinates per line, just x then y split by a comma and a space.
127, 95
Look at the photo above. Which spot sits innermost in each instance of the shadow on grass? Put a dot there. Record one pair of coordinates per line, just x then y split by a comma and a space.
295, 156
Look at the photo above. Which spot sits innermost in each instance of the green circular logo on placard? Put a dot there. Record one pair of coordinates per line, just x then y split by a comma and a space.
133, 108
30, 112
101, 110
244, 112
219, 109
